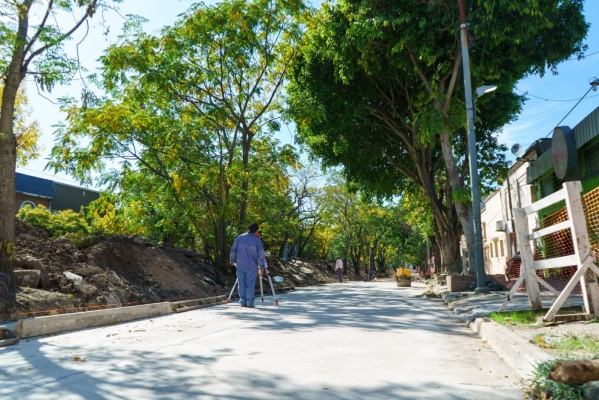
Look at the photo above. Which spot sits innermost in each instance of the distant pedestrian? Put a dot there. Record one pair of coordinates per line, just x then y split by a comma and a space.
339, 269
248, 253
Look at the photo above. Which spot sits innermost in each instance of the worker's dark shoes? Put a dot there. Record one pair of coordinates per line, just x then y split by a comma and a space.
252, 306
243, 305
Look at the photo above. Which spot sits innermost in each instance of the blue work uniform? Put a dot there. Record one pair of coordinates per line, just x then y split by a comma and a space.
248, 253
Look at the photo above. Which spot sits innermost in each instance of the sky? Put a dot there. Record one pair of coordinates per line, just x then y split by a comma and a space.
552, 100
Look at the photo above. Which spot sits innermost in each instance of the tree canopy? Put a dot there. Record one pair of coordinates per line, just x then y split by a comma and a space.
376, 90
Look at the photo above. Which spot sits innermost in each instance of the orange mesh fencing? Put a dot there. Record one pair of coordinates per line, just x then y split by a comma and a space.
559, 244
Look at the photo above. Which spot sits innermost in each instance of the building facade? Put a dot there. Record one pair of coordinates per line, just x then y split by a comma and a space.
531, 178
34, 191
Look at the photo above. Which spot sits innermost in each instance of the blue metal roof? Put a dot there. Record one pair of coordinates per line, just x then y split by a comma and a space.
35, 186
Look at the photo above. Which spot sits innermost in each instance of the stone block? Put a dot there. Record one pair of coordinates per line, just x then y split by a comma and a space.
27, 277
403, 281
459, 283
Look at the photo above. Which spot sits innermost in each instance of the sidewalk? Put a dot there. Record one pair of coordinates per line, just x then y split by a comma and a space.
513, 346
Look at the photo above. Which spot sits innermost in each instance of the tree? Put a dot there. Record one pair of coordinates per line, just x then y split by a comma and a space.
187, 107
32, 44
26, 133
376, 90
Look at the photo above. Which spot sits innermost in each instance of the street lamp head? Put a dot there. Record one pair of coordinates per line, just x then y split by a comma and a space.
484, 89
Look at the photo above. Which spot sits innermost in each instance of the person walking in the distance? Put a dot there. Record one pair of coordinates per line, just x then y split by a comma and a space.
248, 253
339, 269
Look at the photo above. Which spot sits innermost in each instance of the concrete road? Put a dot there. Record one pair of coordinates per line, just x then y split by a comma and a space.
363, 341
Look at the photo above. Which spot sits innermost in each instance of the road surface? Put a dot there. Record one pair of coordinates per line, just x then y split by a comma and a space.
365, 341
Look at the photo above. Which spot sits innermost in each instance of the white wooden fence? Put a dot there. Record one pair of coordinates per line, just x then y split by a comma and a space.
583, 257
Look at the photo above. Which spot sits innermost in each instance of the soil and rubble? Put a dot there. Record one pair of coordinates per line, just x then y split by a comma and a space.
120, 270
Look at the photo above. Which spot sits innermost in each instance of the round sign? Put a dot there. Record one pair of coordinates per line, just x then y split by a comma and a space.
563, 153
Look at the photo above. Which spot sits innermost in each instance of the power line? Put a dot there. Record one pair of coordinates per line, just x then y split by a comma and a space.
555, 100
575, 105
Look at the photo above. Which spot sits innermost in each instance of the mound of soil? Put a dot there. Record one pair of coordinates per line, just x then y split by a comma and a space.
113, 271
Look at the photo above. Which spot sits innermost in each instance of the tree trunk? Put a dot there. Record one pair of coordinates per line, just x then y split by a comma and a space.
446, 235
8, 161
283, 245
221, 257
464, 210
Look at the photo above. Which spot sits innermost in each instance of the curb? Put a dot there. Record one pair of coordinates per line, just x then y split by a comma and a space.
53, 324
518, 353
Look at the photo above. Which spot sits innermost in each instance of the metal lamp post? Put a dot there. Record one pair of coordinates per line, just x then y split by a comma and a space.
481, 286
479, 261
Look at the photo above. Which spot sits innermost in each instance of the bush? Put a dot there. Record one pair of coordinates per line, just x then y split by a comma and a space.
63, 223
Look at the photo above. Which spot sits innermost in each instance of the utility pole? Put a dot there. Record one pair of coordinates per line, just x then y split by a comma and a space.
479, 261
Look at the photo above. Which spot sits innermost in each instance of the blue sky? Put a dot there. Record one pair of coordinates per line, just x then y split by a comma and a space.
551, 98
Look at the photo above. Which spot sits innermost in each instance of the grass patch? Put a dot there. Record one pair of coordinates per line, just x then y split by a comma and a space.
524, 317
528, 317
541, 387
569, 344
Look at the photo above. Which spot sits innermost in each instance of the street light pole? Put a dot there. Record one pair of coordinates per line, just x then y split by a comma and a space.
479, 261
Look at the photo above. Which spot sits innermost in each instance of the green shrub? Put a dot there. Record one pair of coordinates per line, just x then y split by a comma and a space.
56, 224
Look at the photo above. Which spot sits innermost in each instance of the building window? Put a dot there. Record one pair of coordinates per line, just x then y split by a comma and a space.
496, 252
501, 248
26, 203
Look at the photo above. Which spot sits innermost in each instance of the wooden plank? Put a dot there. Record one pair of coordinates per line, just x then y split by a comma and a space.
591, 287
532, 287
545, 202
557, 262
582, 245
552, 290
512, 292
565, 293
571, 318
550, 229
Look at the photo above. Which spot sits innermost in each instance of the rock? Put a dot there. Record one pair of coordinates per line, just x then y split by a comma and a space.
86, 269
72, 277
100, 280
575, 372
32, 300
27, 277
84, 288
306, 270
28, 262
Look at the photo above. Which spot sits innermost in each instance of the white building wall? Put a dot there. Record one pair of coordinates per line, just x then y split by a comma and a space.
497, 218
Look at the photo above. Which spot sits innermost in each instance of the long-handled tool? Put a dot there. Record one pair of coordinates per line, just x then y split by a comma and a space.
260, 279
233, 289
261, 287
271, 286
273, 290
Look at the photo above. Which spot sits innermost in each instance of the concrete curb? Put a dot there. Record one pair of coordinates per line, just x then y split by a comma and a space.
518, 353
47, 325
52, 324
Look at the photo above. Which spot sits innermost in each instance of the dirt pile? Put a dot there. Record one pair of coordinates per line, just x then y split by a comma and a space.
119, 270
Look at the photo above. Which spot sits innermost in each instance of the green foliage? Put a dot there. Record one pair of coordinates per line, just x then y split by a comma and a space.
189, 116
524, 317
569, 344
541, 387
376, 91
45, 37
56, 224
